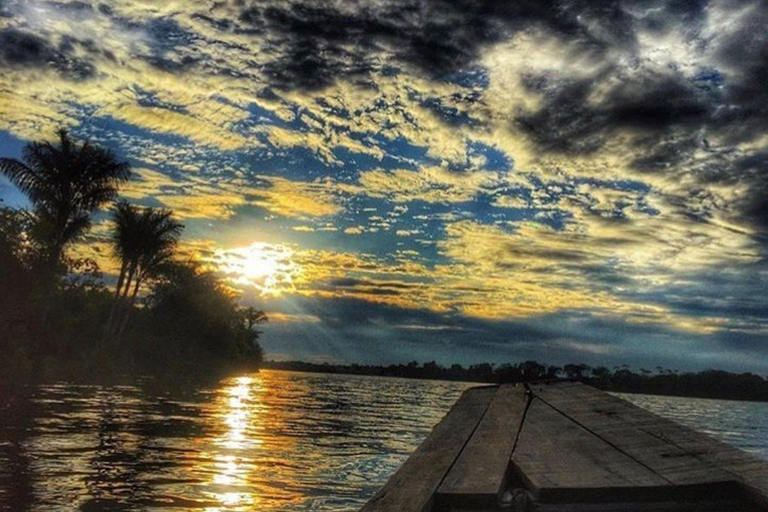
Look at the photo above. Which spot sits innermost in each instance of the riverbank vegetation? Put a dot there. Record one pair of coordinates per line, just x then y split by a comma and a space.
58, 317
659, 381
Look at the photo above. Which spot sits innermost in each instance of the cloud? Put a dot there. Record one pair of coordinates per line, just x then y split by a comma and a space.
191, 196
515, 160
430, 184
359, 331
298, 199
19, 48
167, 121
538, 269
29, 119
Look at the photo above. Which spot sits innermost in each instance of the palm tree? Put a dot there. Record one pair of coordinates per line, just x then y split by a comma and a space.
145, 240
66, 183
158, 235
123, 240
125, 244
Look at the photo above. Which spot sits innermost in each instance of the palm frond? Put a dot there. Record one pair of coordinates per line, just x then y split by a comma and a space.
66, 182
25, 177
146, 238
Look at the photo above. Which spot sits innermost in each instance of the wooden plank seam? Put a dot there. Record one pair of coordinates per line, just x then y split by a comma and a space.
612, 445
749, 490
529, 396
382, 500
466, 441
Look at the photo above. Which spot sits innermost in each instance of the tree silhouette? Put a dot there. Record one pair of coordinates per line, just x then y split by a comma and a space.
145, 240
190, 314
66, 183
253, 317
198, 308
123, 239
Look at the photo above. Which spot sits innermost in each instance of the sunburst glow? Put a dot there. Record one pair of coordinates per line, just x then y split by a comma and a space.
267, 267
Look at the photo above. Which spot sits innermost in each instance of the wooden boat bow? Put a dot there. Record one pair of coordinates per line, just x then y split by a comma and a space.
565, 446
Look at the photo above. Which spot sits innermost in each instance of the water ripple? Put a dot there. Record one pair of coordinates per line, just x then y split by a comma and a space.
272, 441
269, 441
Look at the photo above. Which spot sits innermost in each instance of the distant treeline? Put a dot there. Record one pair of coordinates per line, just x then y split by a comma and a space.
660, 381
58, 319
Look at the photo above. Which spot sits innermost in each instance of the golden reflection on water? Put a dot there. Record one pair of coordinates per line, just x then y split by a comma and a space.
240, 412
267, 442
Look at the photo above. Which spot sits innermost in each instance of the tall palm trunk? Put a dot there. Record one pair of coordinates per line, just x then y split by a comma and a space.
49, 277
128, 310
122, 291
116, 302
131, 273
125, 302
135, 290
145, 237
121, 278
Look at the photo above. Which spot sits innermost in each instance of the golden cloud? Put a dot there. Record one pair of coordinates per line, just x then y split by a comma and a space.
430, 184
167, 121
298, 198
195, 197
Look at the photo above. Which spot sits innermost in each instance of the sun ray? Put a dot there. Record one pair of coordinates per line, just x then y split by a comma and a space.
269, 268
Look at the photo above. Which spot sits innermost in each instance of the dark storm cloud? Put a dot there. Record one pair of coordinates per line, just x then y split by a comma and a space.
752, 171
317, 42
166, 37
320, 44
320, 41
354, 329
656, 104
19, 48
745, 52
673, 115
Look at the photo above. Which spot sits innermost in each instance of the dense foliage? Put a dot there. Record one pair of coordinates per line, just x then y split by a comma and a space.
57, 317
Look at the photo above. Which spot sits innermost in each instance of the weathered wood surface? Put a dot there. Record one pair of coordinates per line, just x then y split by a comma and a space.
479, 474
600, 414
577, 447
412, 487
561, 461
705, 458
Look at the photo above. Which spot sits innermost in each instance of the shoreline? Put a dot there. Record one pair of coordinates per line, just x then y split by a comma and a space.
391, 372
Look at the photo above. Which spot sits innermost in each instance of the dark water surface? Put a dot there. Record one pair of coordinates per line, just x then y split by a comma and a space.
269, 441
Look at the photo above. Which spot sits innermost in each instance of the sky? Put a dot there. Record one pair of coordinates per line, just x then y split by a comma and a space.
449, 180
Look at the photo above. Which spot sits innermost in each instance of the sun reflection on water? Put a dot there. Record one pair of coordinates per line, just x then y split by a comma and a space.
240, 412
267, 442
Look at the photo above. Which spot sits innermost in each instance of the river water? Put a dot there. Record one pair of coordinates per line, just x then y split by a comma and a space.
272, 441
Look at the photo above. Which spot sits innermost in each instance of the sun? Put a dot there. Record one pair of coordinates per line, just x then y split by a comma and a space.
267, 267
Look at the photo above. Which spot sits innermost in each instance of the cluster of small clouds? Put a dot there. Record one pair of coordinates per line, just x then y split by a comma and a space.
195, 197
525, 157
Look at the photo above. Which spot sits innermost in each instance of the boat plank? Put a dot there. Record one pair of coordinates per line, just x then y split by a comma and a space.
578, 449
605, 416
742, 466
480, 472
560, 460
412, 487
